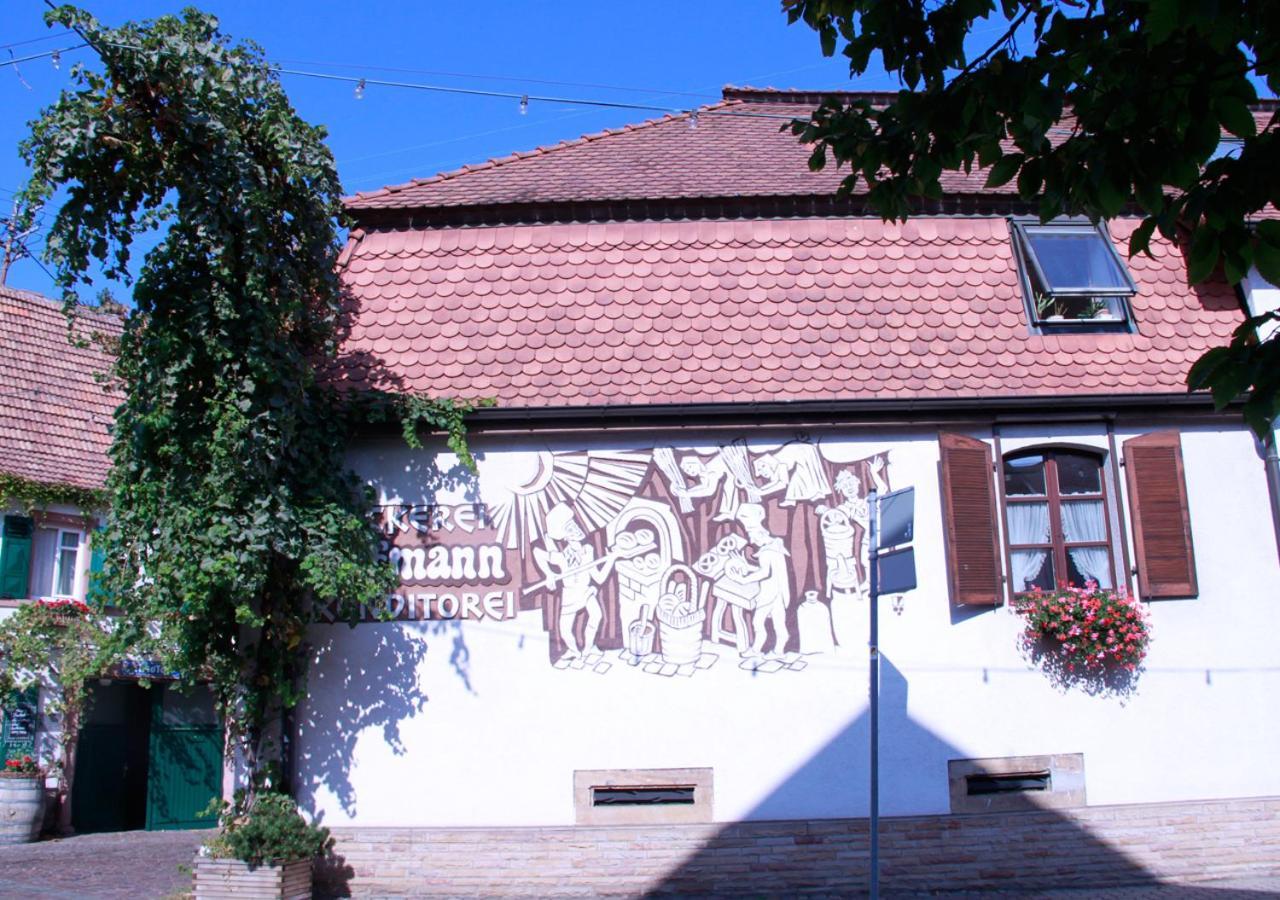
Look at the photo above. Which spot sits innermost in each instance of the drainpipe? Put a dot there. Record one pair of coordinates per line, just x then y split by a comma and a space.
1258, 297
1272, 462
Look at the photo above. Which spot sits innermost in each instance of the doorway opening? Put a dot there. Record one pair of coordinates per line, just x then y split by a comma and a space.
147, 758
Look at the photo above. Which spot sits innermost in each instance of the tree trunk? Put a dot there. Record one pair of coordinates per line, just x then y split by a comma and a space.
70, 744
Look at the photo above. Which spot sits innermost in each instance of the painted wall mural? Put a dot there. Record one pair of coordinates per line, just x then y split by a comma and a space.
670, 560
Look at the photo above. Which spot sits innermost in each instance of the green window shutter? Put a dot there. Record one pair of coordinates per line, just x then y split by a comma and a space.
15, 557
93, 594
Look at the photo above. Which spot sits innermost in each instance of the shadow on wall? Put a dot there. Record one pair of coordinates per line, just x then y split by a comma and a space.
360, 679
367, 677
766, 855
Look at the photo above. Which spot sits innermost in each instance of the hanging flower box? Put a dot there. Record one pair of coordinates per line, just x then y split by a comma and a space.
1087, 636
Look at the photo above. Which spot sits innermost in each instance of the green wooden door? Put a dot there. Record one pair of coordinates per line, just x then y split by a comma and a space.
185, 772
109, 790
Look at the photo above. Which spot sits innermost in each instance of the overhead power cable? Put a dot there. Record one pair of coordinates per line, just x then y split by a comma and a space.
523, 99
362, 83
47, 54
47, 37
515, 78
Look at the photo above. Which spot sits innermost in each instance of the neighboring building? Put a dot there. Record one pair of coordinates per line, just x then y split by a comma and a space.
55, 416
55, 419
147, 757
649, 608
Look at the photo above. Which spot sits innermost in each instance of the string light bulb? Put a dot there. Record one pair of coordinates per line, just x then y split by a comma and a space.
524, 105
56, 58
360, 89
693, 120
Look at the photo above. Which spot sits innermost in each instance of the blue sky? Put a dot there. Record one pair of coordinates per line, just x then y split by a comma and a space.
393, 135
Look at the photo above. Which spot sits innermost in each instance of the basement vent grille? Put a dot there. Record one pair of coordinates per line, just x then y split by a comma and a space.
1008, 783
676, 795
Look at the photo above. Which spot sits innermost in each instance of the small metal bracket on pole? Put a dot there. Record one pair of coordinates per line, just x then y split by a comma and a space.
873, 645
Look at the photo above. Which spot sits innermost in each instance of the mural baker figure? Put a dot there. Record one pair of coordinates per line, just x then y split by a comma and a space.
774, 579
568, 559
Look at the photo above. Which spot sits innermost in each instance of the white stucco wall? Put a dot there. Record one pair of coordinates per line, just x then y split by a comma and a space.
466, 722
1261, 296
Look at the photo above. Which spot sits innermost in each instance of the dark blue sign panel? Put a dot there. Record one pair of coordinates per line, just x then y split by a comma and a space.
897, 571
898, 517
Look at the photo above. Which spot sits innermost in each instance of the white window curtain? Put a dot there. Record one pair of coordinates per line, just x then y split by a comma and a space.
1028, 524
68, 565
44, 555
1083, 520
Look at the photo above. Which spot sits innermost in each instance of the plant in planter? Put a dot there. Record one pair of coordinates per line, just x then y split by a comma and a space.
1099, 310
1048, 307
1086, 637
21, 800
264, 851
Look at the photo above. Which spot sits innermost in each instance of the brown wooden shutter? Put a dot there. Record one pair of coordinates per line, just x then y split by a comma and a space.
969, 517
1161, 524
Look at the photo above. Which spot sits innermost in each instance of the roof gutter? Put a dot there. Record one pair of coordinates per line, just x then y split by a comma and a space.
911, 412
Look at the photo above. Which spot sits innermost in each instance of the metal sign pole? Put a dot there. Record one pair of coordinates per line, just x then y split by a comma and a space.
873, 644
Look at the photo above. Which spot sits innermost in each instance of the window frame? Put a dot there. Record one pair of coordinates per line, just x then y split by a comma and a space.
1058, 546
1030, 271
50, 590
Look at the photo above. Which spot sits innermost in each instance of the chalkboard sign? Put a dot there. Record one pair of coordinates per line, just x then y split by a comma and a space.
18, 736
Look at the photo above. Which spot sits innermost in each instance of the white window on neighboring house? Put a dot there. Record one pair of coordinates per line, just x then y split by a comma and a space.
56, 562
1073, 278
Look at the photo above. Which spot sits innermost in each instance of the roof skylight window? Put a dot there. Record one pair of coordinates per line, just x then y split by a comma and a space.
1072, 275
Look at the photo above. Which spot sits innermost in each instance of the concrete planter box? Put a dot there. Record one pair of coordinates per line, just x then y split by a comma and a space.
231, 879
21, 809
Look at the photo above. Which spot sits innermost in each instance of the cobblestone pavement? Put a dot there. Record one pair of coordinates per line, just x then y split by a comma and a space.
125, 865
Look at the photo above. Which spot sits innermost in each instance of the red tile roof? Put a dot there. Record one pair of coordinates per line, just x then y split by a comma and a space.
644, 312
54, 413
736, 150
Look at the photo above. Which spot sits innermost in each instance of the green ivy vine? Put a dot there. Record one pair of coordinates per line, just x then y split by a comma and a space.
32, 495
60, 646
417, 413
229, 486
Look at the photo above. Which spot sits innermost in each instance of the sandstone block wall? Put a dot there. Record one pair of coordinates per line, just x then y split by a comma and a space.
1089, 846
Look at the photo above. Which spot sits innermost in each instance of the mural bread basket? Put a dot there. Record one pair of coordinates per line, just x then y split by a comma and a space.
681, 612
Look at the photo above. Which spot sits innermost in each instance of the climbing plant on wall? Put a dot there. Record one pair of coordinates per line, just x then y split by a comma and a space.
58, 646
233, 514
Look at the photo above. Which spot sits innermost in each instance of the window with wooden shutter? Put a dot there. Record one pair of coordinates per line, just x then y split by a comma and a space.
93, 593
1161, 523
969, 516
15, 556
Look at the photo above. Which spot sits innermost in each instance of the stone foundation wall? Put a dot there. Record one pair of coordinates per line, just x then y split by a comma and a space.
1090, 846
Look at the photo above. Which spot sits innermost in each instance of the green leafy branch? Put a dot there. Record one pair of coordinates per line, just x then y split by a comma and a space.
32, 495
